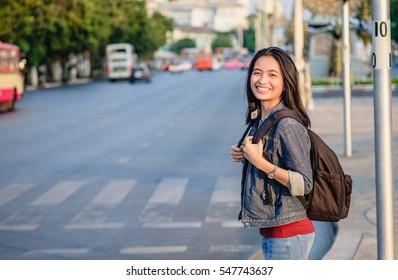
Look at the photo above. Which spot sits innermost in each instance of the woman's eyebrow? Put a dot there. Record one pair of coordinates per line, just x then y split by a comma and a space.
269, 71
273, 71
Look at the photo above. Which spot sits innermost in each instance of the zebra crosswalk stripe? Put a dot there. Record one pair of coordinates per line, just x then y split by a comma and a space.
169, 190
58, 194
224, 201
12, 192
28, 219
94, 215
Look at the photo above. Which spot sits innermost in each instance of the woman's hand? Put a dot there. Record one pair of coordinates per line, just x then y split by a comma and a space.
254, 152
237, 153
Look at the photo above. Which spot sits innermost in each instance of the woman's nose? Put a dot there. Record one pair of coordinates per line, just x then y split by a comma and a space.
263, 79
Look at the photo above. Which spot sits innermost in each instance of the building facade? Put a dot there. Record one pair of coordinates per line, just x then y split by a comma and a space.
200, 20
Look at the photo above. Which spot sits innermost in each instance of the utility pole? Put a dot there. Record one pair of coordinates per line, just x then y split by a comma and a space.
347, 78
381, 62
263, 30
298, 32
299, 49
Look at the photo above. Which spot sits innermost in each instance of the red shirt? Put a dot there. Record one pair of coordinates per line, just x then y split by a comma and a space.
304, 226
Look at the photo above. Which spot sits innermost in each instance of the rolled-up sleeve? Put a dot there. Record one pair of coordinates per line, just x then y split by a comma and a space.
295, 148
296, 183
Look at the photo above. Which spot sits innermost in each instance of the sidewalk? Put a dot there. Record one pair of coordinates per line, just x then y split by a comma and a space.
59, 84
356, 237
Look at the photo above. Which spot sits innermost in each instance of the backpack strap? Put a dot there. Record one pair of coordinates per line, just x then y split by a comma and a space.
249, 126
272, 120
269, 123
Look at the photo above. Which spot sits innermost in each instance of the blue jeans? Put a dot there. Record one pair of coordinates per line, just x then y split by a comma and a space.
292, 248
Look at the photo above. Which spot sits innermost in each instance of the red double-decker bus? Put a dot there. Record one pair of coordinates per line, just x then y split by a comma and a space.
11, 77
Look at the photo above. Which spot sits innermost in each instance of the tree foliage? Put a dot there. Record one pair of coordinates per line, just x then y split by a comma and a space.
222, 40
249, 35
182, 44
52, 29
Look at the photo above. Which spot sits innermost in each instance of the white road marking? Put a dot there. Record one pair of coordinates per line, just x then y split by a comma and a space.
59, 251
124, 160
232, 224
19, 227
28, 219
227, 190
173, 225
170, 190
94, 226
232, 248
225, 200
153, 250
59, 193
12, 192
161, 205
145, 145
94, 215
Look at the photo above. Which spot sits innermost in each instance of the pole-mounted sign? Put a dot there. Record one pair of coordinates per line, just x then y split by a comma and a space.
381, 40
381, 62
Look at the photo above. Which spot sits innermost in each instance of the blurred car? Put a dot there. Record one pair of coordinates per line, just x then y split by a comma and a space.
176, 68
180, 66
245, 63
140, 73
231, 64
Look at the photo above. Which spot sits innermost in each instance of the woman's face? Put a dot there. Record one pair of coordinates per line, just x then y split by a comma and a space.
266, 81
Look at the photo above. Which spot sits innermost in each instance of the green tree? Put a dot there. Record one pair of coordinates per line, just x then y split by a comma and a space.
153, 34
249, 35
394, 19
25, 24
182, 44
48, 30
222, 40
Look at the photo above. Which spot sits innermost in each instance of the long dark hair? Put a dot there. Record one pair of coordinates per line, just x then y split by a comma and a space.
291, 94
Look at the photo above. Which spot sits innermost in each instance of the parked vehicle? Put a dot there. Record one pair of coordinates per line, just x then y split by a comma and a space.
121, 59
11, 77
204, 61
232, 64
140, 73
180, 66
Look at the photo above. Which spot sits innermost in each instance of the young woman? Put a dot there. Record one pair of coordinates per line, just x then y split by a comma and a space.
278, 168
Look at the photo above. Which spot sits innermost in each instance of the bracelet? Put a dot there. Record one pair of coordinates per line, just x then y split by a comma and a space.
271, 175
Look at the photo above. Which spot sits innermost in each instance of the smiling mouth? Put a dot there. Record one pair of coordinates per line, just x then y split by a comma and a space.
263, 89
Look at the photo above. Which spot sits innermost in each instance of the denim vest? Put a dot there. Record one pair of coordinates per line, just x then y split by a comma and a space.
265, 202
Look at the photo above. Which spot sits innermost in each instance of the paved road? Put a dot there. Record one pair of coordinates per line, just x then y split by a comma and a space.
119, 171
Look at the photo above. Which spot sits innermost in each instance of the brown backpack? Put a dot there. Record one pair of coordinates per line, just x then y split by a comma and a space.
330, 197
